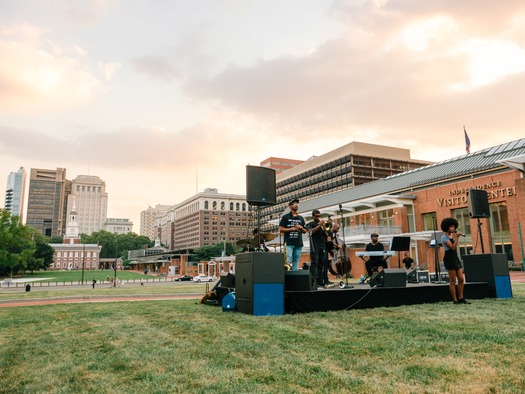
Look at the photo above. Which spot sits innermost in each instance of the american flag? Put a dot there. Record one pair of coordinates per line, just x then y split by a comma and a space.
467, 141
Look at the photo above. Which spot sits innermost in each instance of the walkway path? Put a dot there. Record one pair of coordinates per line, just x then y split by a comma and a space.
84, 299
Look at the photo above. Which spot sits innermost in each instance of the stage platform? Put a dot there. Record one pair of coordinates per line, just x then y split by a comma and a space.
363, 296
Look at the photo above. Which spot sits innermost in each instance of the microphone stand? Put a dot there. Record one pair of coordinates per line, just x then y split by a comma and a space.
436, 255
344, 285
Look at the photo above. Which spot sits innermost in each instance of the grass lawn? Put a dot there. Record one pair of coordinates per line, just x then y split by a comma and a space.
181, 346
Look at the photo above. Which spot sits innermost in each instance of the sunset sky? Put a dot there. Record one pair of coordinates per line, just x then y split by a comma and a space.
163, 98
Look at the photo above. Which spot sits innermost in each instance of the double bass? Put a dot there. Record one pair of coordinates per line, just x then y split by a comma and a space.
340, 263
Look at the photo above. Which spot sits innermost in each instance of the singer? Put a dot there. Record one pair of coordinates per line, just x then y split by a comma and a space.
451, 260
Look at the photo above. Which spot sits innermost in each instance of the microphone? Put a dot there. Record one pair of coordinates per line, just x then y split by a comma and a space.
460, 233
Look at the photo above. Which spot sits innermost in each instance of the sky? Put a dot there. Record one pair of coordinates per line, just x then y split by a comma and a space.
164, 98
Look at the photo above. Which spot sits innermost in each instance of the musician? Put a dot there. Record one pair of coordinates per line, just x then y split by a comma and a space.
408, 261
256, 240
318, 239
292, 225
450, 241
375, 261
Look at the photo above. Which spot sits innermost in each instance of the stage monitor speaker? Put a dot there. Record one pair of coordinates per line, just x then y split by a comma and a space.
301, 280
412, 276
478, 203
390, 277
260, 186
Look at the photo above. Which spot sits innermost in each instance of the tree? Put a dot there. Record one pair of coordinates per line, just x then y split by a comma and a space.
116, 244
17, 247
44, 254
205, 253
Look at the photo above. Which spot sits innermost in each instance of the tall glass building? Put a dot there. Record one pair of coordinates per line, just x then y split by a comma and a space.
15, 192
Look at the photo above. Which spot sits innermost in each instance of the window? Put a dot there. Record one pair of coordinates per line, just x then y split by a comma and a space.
222, 206
214, 205
205, 204
231, 206
500, 229
429, 221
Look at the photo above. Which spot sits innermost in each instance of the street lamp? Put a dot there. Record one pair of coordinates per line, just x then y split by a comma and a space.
115, 265
83, 260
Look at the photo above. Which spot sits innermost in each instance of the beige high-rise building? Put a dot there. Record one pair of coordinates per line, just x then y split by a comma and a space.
88, 193
205, 219
148, 227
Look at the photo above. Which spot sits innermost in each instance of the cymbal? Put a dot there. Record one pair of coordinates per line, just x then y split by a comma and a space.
267, 236
245, 242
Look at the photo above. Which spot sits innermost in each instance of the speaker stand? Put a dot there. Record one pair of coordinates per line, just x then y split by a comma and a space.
437, 270
481, 237
345, 284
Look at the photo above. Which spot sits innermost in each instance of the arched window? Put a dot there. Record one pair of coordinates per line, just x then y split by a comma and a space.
206, 204
214, 205
237, 206
231, 206
244, 206
222, 206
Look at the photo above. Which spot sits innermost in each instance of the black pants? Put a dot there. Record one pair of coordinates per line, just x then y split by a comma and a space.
317, 265
371, 265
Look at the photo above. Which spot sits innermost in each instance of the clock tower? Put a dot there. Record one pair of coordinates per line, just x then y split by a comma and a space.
72, 227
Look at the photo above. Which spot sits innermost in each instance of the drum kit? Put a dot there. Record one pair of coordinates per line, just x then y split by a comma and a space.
253, 243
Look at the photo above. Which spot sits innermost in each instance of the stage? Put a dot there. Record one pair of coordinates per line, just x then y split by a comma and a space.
363, 296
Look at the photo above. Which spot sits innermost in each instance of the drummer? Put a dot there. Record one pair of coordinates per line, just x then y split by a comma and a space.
262, 245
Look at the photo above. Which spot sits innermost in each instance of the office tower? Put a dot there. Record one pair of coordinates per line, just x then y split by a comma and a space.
118, 225
15, 192
348, 166
46, 205
88, 193
205, 219
148, 227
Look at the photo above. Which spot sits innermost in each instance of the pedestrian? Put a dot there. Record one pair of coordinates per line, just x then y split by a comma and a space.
94, 282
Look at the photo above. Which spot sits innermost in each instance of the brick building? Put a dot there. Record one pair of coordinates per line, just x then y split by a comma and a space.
413, 203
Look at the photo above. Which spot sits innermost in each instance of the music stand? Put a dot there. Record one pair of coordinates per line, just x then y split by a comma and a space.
399, 244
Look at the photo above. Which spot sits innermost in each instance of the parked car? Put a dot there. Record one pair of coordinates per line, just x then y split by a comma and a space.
202, 278
184, 278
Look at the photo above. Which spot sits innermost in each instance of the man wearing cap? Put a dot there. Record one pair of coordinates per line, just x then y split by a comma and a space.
318, 239
292, 226
375, 261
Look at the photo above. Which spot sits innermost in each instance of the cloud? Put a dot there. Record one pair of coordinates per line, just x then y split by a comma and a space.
87, 12
156, 67
394, 72
109, 69
38, 75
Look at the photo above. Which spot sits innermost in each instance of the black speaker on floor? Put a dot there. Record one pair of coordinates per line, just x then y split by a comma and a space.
301, 280
260, 186
259, 283
390, 277
478, 203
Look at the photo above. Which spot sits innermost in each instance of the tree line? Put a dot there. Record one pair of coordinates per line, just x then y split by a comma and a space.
23, 248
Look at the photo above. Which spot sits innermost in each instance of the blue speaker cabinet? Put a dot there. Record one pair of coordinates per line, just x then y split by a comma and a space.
259, 283
491, 268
